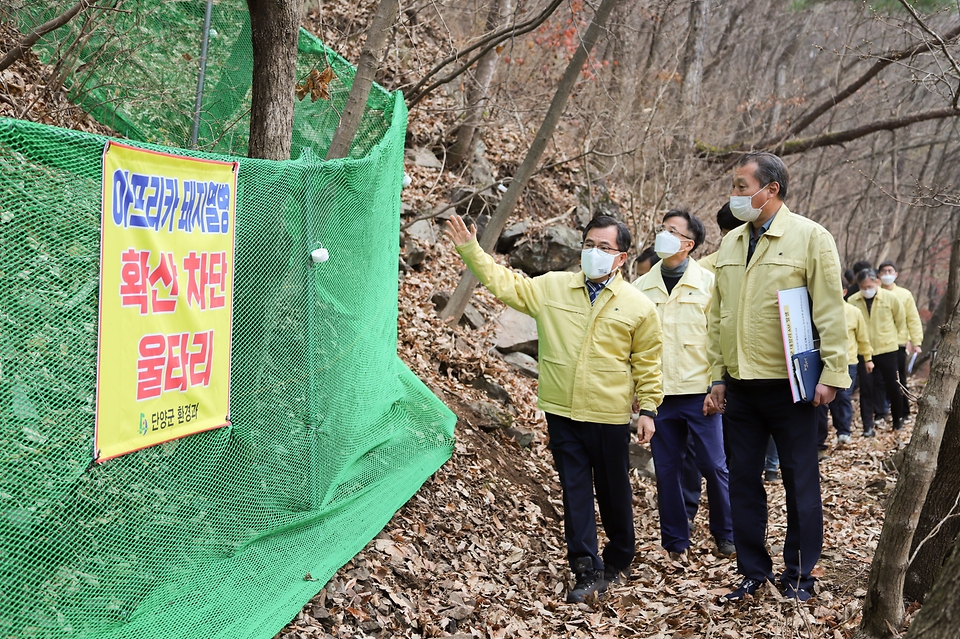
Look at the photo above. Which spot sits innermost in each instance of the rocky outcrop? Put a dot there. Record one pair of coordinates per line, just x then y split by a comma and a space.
555, 249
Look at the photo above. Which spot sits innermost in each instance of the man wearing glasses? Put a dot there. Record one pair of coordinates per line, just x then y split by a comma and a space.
681, 290
599, 351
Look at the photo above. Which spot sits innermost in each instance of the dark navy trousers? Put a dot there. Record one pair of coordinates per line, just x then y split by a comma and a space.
678, 415
755, 411
594, 457
840, 408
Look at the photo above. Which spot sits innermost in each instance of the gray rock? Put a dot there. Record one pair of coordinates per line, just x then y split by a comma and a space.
489, 416
510, 236
471, 316
523, 363
556, 249
424, 232
521, 436
471, 203
439, 300
413, 252
583, 215
423, 157
492, 389
370, 626
460, 612
516, 332
481, 171
642, 459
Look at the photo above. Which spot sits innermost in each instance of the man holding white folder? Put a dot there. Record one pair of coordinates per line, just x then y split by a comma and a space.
777, 250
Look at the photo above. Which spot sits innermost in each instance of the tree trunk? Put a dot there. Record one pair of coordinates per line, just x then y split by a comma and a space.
383, 21
274, 28
940, 616
691, 66
883, 605
940, 517
478, 90
458, 301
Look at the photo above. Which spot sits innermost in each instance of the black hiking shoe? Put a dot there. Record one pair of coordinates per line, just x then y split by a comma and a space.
725, 547
747, 587
614, 577
589, 581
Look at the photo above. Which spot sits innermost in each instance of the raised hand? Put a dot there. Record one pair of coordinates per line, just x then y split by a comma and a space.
457, 231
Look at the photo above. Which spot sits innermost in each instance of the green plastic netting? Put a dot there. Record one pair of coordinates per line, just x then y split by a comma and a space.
210, 535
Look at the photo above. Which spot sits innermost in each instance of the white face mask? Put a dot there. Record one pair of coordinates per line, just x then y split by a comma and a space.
742, 206
888, 279
666, 244
595, 263
868, 293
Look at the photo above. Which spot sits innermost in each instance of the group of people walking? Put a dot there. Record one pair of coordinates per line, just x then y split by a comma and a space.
694, 347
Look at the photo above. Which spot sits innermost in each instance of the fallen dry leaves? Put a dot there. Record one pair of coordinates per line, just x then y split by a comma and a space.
26, 95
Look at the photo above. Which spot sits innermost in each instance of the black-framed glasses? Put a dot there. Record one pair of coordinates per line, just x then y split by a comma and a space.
606, 248
663, 227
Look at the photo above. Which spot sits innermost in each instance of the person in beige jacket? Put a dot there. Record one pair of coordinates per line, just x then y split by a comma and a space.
681, 289
599, 348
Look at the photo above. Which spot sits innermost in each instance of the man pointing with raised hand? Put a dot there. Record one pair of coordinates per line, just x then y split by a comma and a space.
599, 344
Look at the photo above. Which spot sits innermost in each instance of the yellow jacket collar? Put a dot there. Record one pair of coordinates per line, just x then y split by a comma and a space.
692, 277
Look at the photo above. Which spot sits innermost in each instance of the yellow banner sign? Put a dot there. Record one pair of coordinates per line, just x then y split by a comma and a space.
166, 298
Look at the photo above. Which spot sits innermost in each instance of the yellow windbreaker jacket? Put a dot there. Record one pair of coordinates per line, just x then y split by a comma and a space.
744, 338
593, 359
912, 330
885, 319
709, 262
683, 319
858, 335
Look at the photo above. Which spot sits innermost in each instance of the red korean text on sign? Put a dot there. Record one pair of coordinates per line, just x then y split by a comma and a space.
133, 279
206, 279
136, 278
173, 363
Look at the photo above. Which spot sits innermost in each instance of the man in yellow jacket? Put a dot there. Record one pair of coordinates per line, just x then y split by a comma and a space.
776, 250
841, 408
911, 337
886, 320
599, 346
681, 289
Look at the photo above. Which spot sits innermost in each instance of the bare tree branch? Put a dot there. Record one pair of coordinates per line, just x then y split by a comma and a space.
790, 147
27, 43
782, 142
488, 43
936, 36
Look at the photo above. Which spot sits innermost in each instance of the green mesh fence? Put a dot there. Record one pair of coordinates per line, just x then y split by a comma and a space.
210, 535
133, 64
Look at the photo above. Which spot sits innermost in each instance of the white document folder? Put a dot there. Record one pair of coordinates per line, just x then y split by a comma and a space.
796, 326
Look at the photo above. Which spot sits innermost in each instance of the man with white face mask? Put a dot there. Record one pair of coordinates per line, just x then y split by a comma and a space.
599, 346
911, 337
681, 289
776, 250
886, 321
